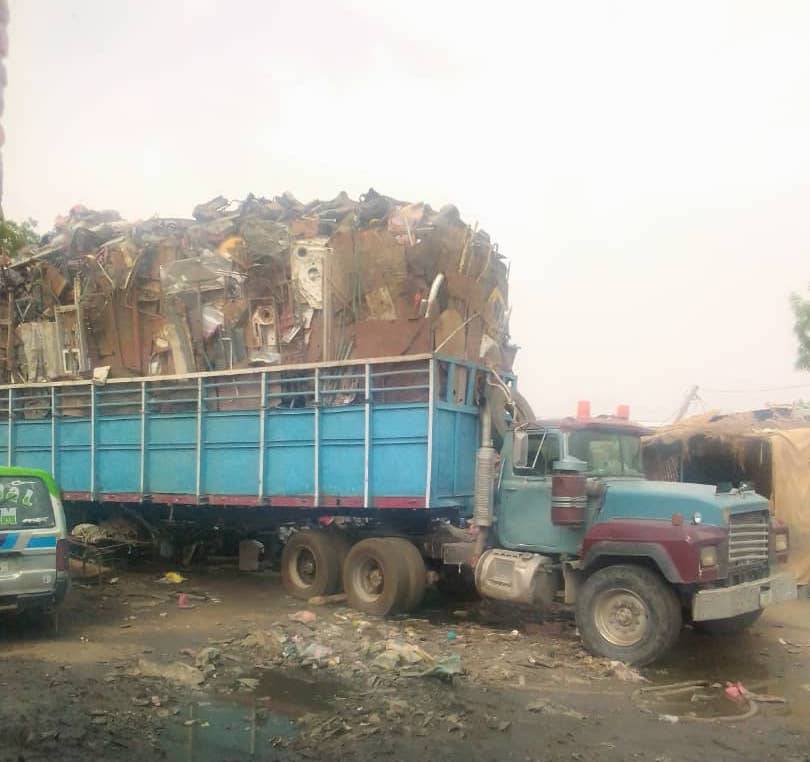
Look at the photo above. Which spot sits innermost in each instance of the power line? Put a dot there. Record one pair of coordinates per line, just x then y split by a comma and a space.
756, 390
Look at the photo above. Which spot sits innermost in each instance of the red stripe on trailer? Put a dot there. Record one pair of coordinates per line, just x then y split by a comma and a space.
292, 501
121, 497
235, 500
399, 502
172, 499
336, 501
76, 495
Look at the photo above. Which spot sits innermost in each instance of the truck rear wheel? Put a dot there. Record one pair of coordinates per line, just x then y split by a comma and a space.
730, 626
310, 564
375, 577
416, 574
628, 613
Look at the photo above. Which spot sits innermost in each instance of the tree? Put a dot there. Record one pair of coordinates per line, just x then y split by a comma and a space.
801, 327
16, 235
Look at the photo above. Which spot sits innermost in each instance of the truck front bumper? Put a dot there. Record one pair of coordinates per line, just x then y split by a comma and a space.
725, 602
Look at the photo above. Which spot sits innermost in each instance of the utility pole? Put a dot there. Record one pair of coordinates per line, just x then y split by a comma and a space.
692, 394
3, 77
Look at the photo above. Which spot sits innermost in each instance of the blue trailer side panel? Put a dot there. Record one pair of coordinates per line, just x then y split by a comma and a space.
277, 436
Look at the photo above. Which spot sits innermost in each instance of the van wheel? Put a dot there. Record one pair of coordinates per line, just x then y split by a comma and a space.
416, 573
730, 626
310, 564
375, 577
628, 613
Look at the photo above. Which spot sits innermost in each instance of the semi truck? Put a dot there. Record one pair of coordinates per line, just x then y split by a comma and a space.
392, 473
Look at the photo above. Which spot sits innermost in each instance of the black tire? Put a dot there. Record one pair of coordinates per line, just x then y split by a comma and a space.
416, 573
628, 613
730, 626
310, 564
375, 577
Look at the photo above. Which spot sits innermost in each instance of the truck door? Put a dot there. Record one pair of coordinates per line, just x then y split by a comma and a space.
524, 511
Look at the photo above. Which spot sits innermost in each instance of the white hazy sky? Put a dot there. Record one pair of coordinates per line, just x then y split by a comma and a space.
645, 165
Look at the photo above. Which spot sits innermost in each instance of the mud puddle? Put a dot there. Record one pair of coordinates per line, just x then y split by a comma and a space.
247, 725
762, 660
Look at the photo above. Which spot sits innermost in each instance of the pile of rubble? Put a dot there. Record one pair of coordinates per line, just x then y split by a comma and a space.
252, 283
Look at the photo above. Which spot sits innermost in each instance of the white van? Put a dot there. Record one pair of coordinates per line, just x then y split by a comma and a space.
33, 542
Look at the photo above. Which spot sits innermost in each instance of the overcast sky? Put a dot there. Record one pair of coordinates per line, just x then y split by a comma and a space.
644, 165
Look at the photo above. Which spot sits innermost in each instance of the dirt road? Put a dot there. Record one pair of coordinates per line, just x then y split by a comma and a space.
245, 672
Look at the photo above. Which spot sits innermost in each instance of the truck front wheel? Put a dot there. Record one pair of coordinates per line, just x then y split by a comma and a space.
628, 613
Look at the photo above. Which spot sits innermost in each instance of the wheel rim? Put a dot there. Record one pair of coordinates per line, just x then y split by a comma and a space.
368, 580
303, 568
622, 617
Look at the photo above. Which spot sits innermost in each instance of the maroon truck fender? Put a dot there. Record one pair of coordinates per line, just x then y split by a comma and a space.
674, 549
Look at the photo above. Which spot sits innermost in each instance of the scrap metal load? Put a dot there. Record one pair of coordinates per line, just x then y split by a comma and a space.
252, 283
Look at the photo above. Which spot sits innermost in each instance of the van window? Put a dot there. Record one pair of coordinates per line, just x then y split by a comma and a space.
540, 463
25, 503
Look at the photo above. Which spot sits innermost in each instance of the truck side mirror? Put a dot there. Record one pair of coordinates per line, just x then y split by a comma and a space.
520, 449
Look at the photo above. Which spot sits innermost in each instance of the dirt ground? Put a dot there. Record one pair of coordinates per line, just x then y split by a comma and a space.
133, 675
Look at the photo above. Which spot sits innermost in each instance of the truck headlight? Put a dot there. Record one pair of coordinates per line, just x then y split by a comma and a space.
780, 542
708, 556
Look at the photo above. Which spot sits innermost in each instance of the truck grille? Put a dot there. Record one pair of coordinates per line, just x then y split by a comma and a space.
748, 539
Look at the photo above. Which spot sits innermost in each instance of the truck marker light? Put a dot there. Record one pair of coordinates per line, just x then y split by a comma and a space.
780, 542
677, 519
708, 556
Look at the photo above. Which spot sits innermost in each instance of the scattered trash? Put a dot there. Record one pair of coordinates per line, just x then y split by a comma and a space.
206, 658
112, 581
671, 718
322, 600
183, 601
172, 578
444, 669
451, 635
545, 706
303, 617
176, 672
315, 653
539, 661
735, 691
627, 673
248, 683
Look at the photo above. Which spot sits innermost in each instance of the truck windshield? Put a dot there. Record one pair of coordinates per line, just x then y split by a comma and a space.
607, 453
25, 503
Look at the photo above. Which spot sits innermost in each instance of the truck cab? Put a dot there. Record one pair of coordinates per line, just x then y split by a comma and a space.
574, 514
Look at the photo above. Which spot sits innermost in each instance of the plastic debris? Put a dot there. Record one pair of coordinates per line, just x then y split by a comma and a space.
322, 600
176, 672
172, 578
315, 653
545, 706
183, 601
625, 672
735, 691
303, 617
